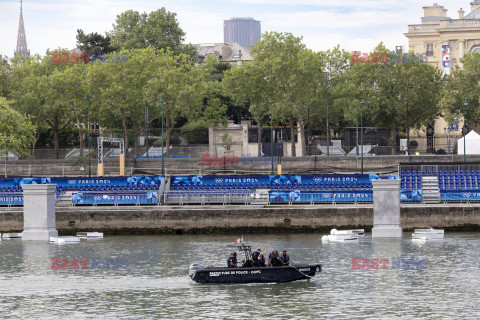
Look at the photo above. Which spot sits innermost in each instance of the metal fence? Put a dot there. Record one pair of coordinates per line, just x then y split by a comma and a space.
442, 145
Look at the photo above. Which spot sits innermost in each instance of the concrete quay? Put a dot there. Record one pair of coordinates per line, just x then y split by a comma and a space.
243, 218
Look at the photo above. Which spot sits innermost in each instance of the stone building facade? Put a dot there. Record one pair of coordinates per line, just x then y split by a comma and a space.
232, 53
444, 41
462, 35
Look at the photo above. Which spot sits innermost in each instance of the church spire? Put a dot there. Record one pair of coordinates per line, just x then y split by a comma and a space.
22, 50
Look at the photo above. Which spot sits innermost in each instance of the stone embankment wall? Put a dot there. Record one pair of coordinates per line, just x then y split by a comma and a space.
318, 164
245, 219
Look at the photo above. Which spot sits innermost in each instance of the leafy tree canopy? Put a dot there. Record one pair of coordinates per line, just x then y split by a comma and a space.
94, 42
16, 132
158, 29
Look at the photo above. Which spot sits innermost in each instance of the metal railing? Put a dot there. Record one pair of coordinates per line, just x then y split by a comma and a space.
196, 197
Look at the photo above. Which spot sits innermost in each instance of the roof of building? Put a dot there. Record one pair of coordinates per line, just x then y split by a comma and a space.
434, 19
475, 14
225, 52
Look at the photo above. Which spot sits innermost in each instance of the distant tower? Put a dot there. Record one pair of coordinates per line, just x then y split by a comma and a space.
22, 50
244, 31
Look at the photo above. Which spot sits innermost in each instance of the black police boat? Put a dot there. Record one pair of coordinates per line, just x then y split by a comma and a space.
248, 274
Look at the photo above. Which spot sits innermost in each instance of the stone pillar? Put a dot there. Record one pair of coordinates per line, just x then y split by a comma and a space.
245, 140
386, 209
39, 212
461, 43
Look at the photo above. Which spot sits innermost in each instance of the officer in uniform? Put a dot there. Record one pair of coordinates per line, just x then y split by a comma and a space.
255, 257
261, 260
274, 259
232, 260
285, 258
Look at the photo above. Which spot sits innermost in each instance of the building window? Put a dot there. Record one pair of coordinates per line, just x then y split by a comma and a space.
475, 49
429, 49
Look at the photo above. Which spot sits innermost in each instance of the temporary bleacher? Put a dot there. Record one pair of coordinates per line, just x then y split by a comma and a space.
258, 189
87, 191
457, 182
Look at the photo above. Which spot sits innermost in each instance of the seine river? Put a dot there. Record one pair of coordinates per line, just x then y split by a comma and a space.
147, 277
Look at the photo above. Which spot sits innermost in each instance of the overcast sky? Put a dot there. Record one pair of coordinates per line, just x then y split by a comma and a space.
352, 24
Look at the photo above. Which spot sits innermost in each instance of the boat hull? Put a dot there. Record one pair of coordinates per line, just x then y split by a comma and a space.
256, 274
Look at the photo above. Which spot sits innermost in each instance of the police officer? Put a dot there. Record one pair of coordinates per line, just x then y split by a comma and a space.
232, 260
285, 258
255, 257
274, 259
261, 260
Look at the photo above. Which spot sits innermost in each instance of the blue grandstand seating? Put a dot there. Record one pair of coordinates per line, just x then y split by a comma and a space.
140, 188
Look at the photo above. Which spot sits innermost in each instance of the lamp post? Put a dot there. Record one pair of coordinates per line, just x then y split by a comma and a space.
146, 127
465, 103
361, 133
408, 123
163, 165
271, 130
326, 100
408, 132
89, 143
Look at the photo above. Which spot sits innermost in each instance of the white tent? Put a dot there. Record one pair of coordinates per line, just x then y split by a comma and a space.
472, 143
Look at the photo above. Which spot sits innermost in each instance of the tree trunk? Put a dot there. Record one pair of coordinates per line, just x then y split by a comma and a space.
81, 140
125, 133
56, 143
259, 140
293, 148
301, 137
168, 133
136, 134
393, 134
56, 138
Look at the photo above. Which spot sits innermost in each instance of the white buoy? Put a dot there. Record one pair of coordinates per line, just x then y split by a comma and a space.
344, 236
64, 240
90, 235
428, 234
11, 236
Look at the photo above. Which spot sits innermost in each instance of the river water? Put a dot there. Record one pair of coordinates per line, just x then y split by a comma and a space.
152, 280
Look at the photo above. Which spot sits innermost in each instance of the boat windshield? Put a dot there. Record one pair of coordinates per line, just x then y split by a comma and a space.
247, 250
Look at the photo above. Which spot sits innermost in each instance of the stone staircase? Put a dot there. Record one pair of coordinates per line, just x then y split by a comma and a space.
260, 196
65, 199
430, 189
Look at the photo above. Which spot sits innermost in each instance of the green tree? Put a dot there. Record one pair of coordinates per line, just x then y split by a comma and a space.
387, 88
158, 29
16, 132
120, 95
248, 84
293, 73
71, 89
337, 68
463, 85
94, 42
179, 83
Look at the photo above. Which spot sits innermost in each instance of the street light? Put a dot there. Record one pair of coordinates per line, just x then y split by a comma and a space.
89, 144
361, 132
408, 132
465, 103
163, 166
326, 100
146, 127
271, 129
408, 123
